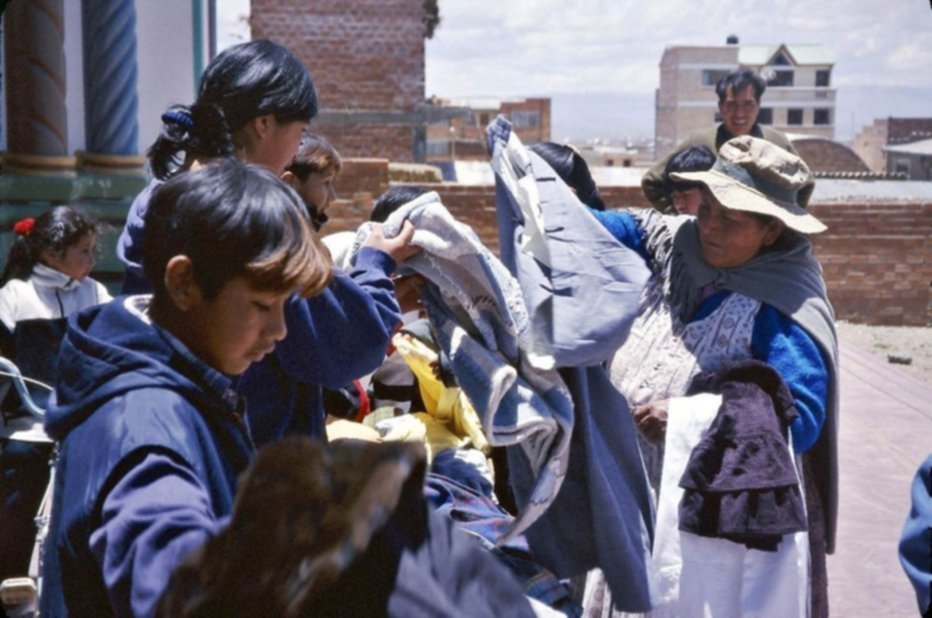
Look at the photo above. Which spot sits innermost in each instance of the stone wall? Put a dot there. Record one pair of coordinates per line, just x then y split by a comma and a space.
877, 257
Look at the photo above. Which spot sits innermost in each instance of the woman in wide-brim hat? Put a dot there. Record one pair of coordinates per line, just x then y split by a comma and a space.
738, 282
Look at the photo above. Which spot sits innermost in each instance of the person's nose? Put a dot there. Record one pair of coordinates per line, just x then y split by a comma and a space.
275, 327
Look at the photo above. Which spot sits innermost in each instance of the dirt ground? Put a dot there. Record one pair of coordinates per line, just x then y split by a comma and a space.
901, 342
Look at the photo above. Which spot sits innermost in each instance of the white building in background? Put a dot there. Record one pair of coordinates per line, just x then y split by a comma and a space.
799, 98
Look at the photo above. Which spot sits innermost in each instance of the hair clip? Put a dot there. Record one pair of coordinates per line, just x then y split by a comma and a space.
23, 227
180, 117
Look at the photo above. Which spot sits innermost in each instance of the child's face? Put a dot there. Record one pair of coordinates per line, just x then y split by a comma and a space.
686, 201
238, 327
729, 237
77, 261
317, 190
278, 144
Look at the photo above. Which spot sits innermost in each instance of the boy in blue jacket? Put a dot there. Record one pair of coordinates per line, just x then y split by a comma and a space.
152, 432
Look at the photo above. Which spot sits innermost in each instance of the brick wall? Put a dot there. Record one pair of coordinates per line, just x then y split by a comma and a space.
367, 60
877, 257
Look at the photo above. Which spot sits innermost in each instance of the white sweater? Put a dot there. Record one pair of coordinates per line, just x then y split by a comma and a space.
48, 294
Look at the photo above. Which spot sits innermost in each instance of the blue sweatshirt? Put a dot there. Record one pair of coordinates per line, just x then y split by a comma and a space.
152, 441
776, 340
334, 338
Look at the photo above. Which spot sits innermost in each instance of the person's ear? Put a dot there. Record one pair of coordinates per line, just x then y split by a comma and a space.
262, 125
180, 284
775, 227
289, 178
50, 258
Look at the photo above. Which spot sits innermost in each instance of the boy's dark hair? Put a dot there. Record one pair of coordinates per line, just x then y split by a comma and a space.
738, 81
233, 219
393, 199
572, 168
53, 231
695, 159
243, 82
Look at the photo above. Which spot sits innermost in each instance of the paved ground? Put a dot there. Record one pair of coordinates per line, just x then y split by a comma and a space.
885, 433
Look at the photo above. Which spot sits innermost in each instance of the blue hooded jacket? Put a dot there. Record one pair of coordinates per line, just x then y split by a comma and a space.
333, 338
130, 395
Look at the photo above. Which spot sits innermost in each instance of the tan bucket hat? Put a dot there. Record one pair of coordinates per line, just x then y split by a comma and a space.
754, 175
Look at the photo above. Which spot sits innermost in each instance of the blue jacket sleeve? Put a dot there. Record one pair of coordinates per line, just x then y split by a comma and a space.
129, 245
623, 227
343, 333
784, 345
152, 518
916, 540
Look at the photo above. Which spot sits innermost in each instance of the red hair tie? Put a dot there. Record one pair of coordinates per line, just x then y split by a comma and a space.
23, 227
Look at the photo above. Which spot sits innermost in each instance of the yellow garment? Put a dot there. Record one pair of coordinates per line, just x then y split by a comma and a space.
421, 427
448, 406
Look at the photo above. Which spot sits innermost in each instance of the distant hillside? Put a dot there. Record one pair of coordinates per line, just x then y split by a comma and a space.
631, 114
602, 115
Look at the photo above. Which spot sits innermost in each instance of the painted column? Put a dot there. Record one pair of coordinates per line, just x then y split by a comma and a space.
37, 135
110, 99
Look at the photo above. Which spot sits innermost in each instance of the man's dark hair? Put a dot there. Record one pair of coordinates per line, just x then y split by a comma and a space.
738, 81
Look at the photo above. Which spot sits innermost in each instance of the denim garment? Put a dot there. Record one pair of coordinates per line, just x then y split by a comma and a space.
582, 288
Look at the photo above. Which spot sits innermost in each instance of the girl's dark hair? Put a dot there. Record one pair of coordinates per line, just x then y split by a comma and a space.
233, 219
572, 168
392, 200
242, 82
54, 231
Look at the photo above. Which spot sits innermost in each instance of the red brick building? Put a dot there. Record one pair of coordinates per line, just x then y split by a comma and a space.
870, 141
462, 136
367, 60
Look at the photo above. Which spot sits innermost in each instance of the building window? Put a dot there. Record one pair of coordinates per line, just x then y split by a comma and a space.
781, 60
437, 148
781, 77
484, 119
822, 77
711, 77
822, 116
794, 116
765, 116
525, 119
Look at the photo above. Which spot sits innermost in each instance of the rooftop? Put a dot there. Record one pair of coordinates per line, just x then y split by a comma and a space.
802, 54
921, 147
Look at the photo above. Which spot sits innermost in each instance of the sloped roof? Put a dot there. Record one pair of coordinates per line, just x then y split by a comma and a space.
921, 147
758, 55
823, 155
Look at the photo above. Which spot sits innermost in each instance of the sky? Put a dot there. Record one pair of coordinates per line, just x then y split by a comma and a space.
610, 50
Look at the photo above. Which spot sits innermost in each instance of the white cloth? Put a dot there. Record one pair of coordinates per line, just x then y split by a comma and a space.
477, 309
48, 294
706, 577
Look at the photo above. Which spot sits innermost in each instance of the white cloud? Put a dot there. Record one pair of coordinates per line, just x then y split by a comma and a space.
523, 46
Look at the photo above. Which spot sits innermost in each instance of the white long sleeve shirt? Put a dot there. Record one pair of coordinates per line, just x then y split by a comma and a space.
47, 294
